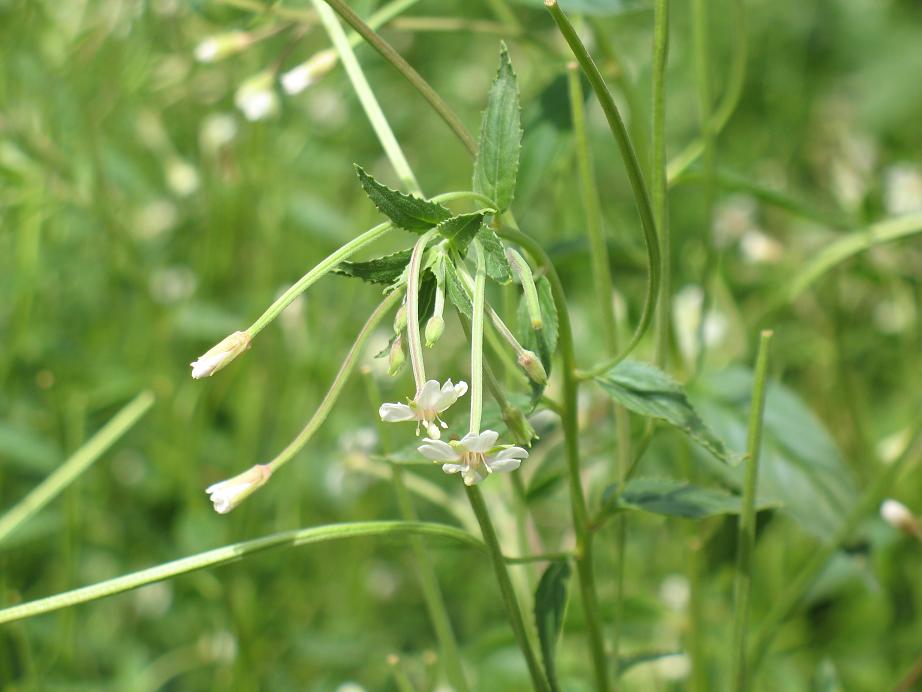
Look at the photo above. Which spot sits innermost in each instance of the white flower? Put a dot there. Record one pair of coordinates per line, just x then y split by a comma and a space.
899, 517
474, 456
219, 356
228, 494
299, 78
256, 98
425, 409
216, 48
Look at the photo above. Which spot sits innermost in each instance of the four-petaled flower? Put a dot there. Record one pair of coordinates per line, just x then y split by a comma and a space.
474, 456
228, 494
425, 409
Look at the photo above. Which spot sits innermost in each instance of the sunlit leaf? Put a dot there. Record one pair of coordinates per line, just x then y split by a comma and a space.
406, 211
380, 270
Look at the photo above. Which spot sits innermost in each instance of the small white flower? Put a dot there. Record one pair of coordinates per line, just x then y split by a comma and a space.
474, 456
219, 47
899, 517
219, 356
256, 97
299, 78
228, 494
425, 409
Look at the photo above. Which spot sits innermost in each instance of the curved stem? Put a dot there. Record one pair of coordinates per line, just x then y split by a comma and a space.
414, 340
660, 189
339, 381
632, 166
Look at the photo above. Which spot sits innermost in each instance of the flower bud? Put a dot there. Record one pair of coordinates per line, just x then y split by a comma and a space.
400, 318
532, 366
299, 78
256, 97
228, 494
434, 328
222, 46
521, 430
899, 517
219, 356
396, 358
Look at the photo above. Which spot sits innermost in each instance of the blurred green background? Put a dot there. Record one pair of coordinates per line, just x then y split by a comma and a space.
144, 218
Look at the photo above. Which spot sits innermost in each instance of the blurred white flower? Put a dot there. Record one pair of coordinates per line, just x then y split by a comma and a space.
899, 517
218, 130
228, 494
733, 218
309, 72
216, 48
757, 247
256, 97
687, 308
220, 355
182, 177
892, 446
903, 189
674, 592
431, 401
474, 456
154, 219
172, 284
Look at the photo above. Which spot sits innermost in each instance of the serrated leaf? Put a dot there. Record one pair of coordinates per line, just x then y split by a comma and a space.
647, 390
380, 270
456, 291
550, 608
497, 161
460, 230
542, 341
674, 498
496, 264
406, 211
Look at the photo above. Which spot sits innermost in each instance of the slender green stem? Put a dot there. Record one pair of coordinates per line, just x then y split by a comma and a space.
634, 172
505, 584
392, 56
659, 186
76, 464
479, 299
320, 415
727, 105
797, 588
414, 339
543, 557
747, 523
366, 96
232, 553
569, 418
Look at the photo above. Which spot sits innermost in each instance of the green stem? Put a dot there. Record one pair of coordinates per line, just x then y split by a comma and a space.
659, 186
747, 522
76, 464
634, 172
505, 584
366, 96
797, 588
414, 339
584, 561
479, 299
339, 382
392, 56
232, 553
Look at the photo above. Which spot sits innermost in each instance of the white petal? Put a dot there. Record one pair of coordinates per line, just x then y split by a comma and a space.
503, 465
461, 389
452, 468
483, 442
394, 413
449, 394
438, 451
428, 397
509, 453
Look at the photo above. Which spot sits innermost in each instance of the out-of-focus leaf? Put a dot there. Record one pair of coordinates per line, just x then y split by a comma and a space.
380, 270
406, 211
674, 498
550, 608
800, 466
497, 161
26, 449
647, 390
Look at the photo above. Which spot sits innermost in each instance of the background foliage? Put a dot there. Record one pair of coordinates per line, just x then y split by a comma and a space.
144, 218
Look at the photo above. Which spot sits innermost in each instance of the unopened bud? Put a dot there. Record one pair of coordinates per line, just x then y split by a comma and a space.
299, 78
531, 364
434, 328
228, 494
222, 46
256, 97
400, 319
899, 517
219, 356
521, 430
396, 358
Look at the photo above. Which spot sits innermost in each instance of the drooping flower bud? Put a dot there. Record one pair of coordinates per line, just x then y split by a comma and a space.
521, 430
256, 97
400, 318
219, 356
299, 78
228, 494
532, 366
434, 329
396, 358
899, 517
222, 46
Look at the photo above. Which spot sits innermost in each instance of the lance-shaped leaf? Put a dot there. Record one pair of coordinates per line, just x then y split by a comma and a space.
380, 270
550, 610
406, 211
496, 264
674, 498
647, 390
462, 229
456, 291
497, 159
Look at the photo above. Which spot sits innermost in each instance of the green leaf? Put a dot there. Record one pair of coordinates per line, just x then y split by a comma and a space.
456, 291
800, 467
496, 264
541, 341
647, 390
406, 211
462, 229
497, 159
550, 608
380, 270
674, 499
